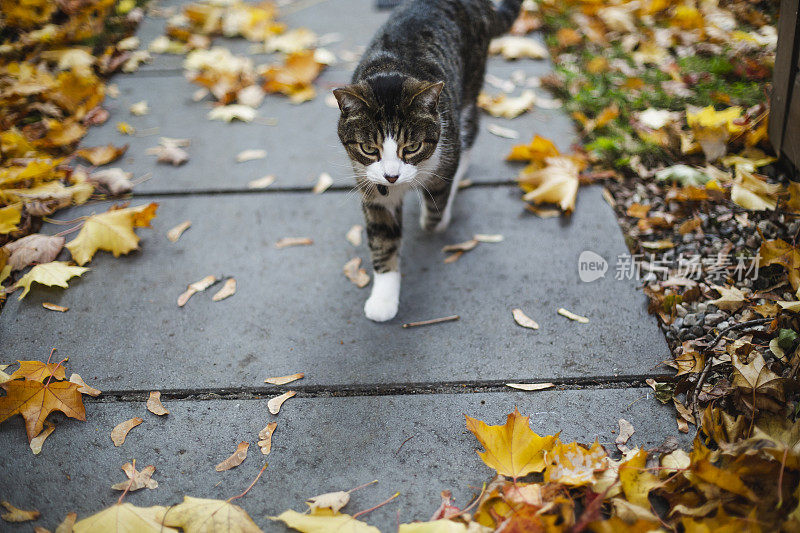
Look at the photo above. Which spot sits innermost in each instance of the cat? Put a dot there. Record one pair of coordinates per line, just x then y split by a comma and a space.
409, 118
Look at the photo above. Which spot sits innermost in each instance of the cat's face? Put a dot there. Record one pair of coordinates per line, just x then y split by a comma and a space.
390, 128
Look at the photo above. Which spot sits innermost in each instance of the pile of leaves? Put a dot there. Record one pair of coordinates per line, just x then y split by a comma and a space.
54, 58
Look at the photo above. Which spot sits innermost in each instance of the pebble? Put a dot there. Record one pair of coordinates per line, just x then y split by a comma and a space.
712, 319
680, 310
702, 307
690, 319
697, 331
722, 325
753, 241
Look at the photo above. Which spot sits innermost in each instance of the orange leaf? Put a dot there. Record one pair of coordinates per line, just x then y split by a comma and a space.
38, 371
34, 400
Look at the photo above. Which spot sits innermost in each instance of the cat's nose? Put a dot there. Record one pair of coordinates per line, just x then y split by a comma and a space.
390, 179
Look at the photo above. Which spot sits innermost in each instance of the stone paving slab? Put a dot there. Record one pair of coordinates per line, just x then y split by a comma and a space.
417, 445
295, 311
303, 144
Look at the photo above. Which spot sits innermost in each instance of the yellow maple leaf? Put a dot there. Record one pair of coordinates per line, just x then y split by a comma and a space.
712, 128
54, 273
124, 518
10, 217
575, 465
512, 449
556, 183
111, 231
752, 192
502, 105
536, 151
780, 252
636, 480
323, 522
200, 515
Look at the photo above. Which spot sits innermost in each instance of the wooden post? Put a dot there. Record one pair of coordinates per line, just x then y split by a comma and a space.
785, 105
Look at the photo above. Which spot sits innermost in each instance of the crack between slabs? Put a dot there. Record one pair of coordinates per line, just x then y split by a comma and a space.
391, 389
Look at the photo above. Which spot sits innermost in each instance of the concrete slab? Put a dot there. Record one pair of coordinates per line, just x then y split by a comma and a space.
295, 311
301, 146
417, 445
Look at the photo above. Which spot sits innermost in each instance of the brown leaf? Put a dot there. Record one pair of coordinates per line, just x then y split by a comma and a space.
55, 307
197, 286
36, 248
354, 273
37, 441
34, 400
154, 404
465, 246
354, 235
323, 183
274, 405
530, 386
293, 241
18, 515
572, 316
175, 233
265, 437
283, 380
83, 388
524, 320
228, 289
66, 525
38, 371
235, 459
136, 480
121, 430
112, 180
102, 155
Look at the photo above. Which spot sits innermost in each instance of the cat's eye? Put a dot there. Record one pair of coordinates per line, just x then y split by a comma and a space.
412, 148
368, 149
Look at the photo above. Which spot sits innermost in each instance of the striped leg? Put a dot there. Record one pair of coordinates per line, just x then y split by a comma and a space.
384, 230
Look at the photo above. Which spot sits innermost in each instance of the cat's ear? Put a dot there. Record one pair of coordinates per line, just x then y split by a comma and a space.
349, 98
427, 94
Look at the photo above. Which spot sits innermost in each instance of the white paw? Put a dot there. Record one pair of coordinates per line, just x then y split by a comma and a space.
380, 309
382, 303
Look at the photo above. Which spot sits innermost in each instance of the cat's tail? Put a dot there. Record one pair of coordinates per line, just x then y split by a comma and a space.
505, 13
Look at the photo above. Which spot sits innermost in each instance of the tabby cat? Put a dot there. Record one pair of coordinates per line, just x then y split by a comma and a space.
409, 119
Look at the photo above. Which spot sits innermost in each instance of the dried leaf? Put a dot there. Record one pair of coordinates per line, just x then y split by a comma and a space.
102, 155
504, 106
265, 437
120, 431
55, 307
34, 400
516, 47
227, 113
323, 183
530, 386
137, 479
488, 238
293, 241
730, 298
283, 380
197, 515
53, 274
125, 518
235, 459
111, 180
228, 289
154, 404
312, 523
111, 231
36, 248
354, 235
175, 233
261, 183
500, 131
465, 246
355, 274
197, 286
37, 441
556, 183
18, 515
274, 405
83, 388
625, 432
524, 320
573, 316
250, 155
139, 108
38, 371
330, 500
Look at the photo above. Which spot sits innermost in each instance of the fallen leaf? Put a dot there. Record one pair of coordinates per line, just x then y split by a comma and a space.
125, 518
465, 246
66, 525
354, 235
136, 479
37, 441
10, 217
125, 129
34, 400
265, 438
488, 238
663, 244
139, 108
575, 465
516, 47
199, 515
228, 289
636, 481
730, 298
250, 155
36, 248
752, 192
504, 106
197, 286
175, 233
556, 183
169, 152
625, 432
38, 371
512, 449
530, 386
573, 316
283, 380
330, 500
524, 320
83, 388
274, 405
111, 231
55, 307
537, 151
102, 155
355, 274
52, 274
120, 431
452, 258
500, 131
293, 241
114, 181
228, 113
18, 515
261, 183
154, 404
235, 459
323, 183
311, 523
